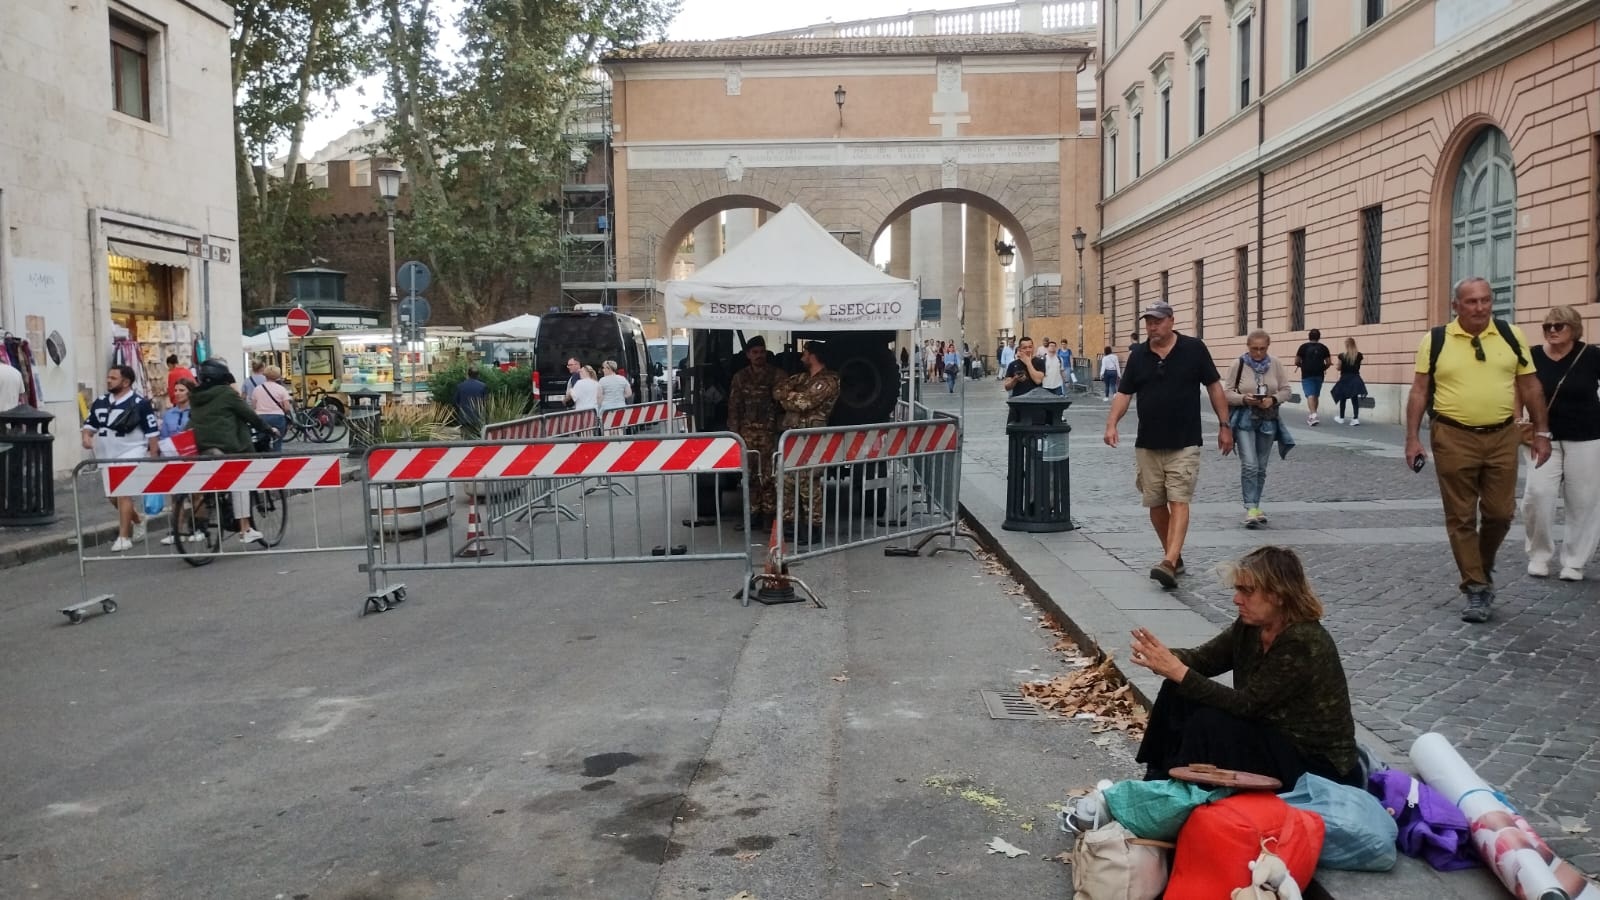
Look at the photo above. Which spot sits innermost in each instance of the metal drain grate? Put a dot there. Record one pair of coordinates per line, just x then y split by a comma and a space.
1009, 705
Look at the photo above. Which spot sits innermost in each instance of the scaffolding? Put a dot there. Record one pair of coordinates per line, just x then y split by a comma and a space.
588, 211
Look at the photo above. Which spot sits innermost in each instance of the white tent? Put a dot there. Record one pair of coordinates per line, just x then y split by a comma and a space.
523, 327
273, 339
792, 275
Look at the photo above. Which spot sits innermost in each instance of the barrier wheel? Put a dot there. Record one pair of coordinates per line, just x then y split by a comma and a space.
399, 595
75, 617
109, 606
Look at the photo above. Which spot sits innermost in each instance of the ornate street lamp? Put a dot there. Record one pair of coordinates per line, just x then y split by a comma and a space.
838, 100
1077, 244
389, 190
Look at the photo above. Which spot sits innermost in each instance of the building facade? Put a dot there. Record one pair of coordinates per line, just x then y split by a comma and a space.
116, 171
1339, 164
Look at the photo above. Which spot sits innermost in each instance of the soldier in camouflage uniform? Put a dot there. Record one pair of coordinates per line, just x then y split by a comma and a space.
807, 400
753, 415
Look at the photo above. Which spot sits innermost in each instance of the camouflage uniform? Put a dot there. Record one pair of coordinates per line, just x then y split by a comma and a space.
807, 401
753, 415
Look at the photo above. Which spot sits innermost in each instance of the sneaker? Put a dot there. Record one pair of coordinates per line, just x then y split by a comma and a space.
1180, 568
169, 540
1261, 517
1312, 419
1338, 420
251, 537
140, 529
1166, 573
1254, 516
1355, 421
1479, 602
1539, 569
1568, 573
121, 544
195, 537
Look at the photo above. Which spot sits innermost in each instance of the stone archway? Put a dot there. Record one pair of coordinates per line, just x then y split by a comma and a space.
672, 236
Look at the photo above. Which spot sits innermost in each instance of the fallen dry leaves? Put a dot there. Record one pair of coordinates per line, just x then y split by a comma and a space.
1095, 691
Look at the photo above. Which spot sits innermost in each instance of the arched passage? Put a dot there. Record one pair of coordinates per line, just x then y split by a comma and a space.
983, 202
680, 228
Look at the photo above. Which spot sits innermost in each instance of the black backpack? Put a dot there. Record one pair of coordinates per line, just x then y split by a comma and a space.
1436, 346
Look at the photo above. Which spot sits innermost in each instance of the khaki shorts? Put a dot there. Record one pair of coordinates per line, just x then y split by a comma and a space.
1166, 476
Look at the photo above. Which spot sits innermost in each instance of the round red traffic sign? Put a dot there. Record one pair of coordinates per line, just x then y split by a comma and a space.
300, 322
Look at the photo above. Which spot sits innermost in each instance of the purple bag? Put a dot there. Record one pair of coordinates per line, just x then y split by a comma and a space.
1431, 828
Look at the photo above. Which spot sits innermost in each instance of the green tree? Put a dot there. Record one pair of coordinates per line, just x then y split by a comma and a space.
289, 56
482, 133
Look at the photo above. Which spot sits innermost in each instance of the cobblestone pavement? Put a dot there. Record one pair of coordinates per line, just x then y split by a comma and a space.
1520, 697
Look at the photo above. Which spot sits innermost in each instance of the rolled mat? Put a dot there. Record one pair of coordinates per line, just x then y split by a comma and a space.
1524, 863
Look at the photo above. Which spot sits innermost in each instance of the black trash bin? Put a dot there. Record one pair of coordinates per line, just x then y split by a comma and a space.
27, 467
1038, 470
365, 419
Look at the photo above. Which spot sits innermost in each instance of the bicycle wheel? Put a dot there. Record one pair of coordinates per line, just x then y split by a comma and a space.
319, 424
199, 553
269, 512
335, 426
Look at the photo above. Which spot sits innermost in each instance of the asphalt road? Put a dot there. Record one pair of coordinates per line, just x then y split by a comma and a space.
608, 731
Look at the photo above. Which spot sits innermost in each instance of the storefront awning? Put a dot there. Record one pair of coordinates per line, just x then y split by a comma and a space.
148, 254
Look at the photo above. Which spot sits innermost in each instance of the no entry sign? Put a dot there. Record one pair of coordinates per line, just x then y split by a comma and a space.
300, 322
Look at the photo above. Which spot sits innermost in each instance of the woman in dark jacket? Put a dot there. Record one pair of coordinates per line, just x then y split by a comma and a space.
1288, 711
222, 421
1350, 386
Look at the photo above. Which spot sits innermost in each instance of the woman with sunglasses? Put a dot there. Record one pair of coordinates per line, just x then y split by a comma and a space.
1256, 387
1570, 376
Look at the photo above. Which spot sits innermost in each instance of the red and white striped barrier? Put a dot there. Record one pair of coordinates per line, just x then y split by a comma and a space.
640, 414
549, 425
874, 442
202, 476
565, 460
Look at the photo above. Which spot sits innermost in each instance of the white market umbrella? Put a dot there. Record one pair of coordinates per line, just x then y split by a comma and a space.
523, 327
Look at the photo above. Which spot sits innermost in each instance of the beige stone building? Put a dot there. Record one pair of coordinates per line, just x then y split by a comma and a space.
941, 142
1338, 164
116, 160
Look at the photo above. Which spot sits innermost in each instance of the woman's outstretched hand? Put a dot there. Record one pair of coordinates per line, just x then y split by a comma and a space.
1149, 652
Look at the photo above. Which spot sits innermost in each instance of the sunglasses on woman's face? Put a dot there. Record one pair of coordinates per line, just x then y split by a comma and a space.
1554, 326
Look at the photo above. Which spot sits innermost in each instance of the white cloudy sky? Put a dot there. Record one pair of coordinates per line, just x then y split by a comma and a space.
699, 20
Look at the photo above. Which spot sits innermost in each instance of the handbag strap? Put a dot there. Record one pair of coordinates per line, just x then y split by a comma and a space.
1149, 842
1551, 400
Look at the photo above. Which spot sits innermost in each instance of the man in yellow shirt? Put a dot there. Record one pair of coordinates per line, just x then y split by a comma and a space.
1475, 384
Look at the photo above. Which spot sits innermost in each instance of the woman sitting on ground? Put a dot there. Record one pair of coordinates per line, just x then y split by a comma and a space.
1288, 711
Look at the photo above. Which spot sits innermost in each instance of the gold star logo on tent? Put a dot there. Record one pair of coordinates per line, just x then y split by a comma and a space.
812, 309
692, 307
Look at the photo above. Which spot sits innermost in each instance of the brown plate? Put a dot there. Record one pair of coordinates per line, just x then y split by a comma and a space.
1211, 776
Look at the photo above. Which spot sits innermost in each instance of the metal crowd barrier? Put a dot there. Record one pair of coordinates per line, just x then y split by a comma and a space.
632, 419
659, 469
535, 497
870, 484
296, 501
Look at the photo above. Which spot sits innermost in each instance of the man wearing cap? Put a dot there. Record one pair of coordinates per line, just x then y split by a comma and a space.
1163, 373
807, 400
753, 415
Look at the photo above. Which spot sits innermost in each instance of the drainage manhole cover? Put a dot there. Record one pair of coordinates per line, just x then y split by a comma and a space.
1009, 705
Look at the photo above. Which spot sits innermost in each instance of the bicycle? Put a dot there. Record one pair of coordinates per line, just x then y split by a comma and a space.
269, 513
318, 425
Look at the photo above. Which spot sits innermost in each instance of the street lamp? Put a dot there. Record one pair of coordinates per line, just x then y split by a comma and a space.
838, 100
1008, 253
389, 190
1077, 244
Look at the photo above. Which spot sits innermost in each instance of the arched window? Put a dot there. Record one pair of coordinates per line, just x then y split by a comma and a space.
1483, 219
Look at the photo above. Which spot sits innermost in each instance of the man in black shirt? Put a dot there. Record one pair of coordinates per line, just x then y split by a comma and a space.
1163, 373
1313, 359
1025, 373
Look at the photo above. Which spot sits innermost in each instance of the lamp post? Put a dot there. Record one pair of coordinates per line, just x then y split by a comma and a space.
1007, 254
1077, 244
389, 189
838, 100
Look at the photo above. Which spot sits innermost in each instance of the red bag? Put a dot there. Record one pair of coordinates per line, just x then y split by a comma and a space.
1221, 839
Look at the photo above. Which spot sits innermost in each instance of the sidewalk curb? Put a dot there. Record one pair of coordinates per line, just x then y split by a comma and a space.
31, 550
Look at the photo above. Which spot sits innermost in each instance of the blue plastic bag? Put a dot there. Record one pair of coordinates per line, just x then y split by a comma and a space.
1360, 834
154, 504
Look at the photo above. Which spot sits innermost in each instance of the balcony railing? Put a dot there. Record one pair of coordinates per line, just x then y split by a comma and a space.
1019, 16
